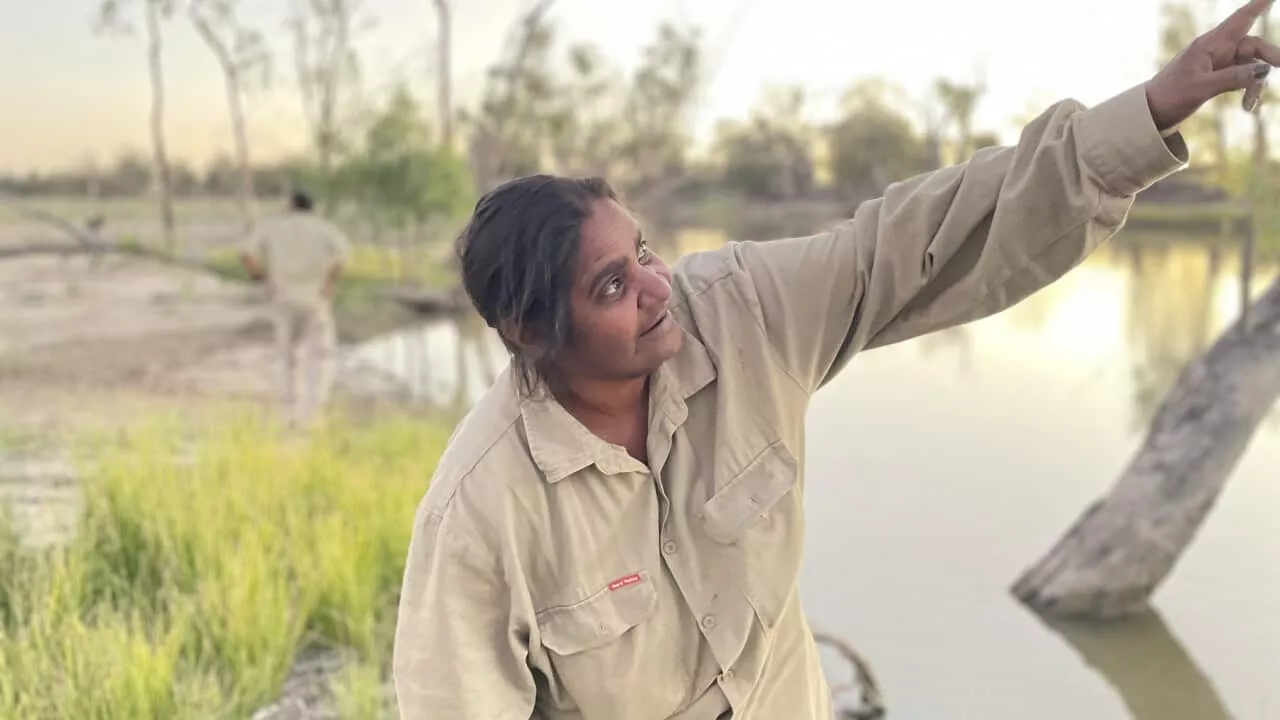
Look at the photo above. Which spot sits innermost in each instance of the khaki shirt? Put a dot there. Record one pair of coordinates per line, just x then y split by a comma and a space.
551, 575
299, 250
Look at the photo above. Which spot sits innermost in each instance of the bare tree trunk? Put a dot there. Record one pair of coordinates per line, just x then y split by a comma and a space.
155, 61
321, 64
1112, 559
444, 87
235, 107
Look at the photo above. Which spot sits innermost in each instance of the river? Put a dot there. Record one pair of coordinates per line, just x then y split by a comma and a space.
940, 468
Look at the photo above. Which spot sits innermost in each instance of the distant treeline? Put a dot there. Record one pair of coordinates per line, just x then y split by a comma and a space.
133, 175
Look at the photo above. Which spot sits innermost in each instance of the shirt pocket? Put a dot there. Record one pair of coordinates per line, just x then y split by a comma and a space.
608, 656
600, 619
751, 496
758, 520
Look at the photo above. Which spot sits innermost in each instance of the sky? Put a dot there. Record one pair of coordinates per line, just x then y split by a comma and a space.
73, 95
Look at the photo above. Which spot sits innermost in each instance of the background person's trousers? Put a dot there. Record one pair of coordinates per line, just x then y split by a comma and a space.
306, 352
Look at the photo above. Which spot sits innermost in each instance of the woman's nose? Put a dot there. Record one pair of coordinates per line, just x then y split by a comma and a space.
656, 286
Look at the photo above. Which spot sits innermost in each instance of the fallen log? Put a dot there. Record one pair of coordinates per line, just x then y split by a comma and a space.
138, 251
430, 303
1118, 552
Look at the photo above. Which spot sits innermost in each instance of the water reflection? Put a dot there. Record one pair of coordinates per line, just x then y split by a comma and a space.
1152, 673
447, 363
1179, 295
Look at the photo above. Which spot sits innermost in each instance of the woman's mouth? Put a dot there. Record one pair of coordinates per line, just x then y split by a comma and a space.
657, 324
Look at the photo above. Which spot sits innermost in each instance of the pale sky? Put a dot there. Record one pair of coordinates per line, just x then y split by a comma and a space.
71, 95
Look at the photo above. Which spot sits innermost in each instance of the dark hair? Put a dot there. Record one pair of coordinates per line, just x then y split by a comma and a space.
300, 201
518, 254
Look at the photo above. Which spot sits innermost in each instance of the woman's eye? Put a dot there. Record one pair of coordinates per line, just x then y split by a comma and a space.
613, 287
642, 253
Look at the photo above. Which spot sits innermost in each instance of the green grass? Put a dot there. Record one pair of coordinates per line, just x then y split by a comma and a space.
191, 586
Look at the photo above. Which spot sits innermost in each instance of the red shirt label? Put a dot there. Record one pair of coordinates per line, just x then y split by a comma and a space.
622, 582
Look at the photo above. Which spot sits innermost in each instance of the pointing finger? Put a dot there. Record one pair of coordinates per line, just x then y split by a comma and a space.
1238, 23
1256, 48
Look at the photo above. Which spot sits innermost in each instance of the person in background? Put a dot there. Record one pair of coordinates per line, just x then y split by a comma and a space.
616, 530
300, 257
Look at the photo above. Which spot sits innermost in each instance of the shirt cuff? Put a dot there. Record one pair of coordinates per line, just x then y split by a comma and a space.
1120, 142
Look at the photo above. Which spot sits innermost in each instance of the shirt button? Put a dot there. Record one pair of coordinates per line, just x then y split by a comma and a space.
669, 547
708, 621
727, 675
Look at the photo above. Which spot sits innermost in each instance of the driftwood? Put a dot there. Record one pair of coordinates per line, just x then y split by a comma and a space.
872, 706
1116, 554
429, 303
82, 248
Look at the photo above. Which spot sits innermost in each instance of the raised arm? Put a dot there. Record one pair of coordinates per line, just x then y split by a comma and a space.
960, 243
459, 649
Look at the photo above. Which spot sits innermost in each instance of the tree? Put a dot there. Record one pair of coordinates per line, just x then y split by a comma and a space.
444, 61
1124, 545
635, 130
327, 66
402, 173
111, 17
958, 102
401, 179
239, 51
129, 177
873, 143
505, 131
659, 108
770, 155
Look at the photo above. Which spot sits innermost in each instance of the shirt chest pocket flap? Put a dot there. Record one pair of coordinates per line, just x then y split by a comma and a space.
600, 619
750, 495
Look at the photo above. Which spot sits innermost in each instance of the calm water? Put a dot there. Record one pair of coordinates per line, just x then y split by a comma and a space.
942, 467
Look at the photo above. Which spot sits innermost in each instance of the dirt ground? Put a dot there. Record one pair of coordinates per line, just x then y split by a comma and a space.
81, 345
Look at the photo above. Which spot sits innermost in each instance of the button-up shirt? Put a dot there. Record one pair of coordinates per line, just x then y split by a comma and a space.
299, 250
552, 575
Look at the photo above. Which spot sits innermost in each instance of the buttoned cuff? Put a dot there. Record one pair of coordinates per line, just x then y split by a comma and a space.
1119, 141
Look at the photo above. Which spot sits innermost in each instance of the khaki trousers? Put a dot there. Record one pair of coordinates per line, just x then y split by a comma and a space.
306, 352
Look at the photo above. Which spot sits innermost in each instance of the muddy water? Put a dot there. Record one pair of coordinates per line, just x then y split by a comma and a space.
940, 468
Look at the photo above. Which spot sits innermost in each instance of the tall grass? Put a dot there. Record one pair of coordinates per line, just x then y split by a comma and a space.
206, 561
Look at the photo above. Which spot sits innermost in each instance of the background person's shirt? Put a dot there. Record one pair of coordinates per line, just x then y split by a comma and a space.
298, 251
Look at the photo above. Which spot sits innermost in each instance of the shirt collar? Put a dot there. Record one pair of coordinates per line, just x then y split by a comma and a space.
561, 445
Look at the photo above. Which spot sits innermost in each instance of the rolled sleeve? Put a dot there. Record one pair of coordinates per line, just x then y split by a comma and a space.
960, 243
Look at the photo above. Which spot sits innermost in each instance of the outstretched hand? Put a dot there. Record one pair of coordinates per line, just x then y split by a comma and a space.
1223, 59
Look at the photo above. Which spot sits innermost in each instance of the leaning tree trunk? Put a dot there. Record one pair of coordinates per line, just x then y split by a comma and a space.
444, 88
1111, 561
155, 61
235, 108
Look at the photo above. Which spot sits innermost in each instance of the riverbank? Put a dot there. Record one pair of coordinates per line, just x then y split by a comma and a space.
167, 551
210, 555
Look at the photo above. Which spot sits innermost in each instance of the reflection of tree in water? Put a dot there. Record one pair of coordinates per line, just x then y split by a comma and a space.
1170, 315
1154, 675
473, 352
